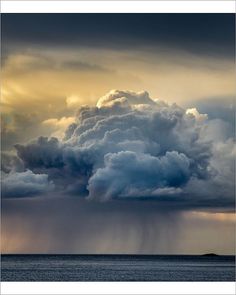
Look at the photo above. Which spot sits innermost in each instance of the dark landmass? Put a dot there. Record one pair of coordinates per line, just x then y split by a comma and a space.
210, 254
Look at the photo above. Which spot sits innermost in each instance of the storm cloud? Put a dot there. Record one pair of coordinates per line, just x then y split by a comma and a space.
211, 34
24, 184
130, 146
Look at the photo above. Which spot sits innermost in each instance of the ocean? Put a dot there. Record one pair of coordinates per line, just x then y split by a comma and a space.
117, 268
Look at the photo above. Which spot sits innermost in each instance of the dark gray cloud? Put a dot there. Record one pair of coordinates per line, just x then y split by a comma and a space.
130, 174
24, 184
219, 108
45, 153
132, 147
210, 34
16, 127
10, 162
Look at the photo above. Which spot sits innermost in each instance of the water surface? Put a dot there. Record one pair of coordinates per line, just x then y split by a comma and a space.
117, 268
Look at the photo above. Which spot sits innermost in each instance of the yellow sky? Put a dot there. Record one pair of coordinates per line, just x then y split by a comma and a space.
45, 80
45, 85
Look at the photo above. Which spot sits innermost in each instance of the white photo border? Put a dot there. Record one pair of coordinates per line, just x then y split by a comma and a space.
168, 6
226, 6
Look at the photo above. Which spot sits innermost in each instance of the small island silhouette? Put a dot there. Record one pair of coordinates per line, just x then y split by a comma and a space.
210, 254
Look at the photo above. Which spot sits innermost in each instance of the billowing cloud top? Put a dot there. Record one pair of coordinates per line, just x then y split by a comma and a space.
131, 147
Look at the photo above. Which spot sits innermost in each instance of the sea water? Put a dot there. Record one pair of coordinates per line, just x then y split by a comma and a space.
117, 268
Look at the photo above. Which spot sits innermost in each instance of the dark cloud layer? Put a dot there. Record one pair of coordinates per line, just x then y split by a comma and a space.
131, 147
211, 34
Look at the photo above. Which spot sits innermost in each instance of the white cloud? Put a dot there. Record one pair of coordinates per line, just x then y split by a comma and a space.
116, 97
196, 114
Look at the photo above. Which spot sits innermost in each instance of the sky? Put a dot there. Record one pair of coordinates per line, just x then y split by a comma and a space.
118, 133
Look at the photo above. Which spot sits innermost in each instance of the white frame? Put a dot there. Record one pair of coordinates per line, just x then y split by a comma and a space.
226, 6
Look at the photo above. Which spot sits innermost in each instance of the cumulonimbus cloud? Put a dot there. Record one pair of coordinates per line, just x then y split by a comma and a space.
131, 146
